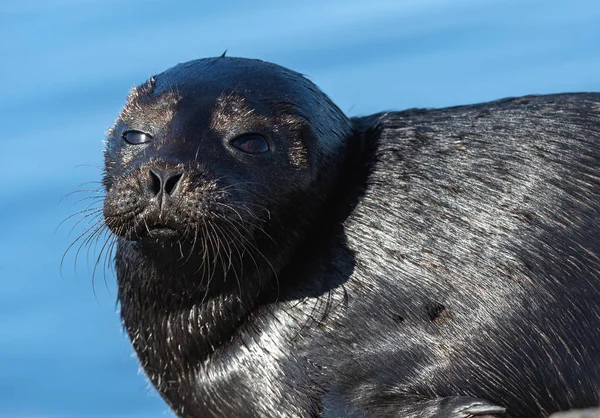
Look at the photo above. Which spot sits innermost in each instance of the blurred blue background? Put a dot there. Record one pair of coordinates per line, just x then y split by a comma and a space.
67, 65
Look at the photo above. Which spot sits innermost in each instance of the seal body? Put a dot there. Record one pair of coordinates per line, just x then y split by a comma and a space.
276, 258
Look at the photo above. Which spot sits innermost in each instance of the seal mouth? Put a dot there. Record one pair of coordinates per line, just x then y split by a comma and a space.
159, 231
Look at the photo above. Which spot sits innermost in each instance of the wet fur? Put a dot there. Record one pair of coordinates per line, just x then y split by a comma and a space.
447, 266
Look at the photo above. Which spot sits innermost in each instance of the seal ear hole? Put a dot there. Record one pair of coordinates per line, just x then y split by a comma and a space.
251, 143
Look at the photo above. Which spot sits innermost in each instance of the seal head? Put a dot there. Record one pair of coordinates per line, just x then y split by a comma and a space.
207, 158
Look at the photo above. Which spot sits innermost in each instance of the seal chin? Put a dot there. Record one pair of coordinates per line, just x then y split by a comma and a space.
161, 233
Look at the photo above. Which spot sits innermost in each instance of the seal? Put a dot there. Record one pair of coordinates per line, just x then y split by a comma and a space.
277, 258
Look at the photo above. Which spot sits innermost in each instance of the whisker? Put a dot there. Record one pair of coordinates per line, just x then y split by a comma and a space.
99, 167
92, 210
85, 234
95, 191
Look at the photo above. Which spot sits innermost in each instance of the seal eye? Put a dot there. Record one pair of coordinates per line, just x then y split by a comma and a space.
136, 137
251, 144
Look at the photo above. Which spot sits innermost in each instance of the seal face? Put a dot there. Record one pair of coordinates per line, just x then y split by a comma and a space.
205, 154
275, 258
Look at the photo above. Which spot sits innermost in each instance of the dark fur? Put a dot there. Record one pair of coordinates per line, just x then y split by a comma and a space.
425, 263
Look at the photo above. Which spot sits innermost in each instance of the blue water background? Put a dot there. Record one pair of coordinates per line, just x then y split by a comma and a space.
65, 69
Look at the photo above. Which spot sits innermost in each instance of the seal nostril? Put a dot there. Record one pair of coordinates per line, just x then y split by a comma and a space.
155, 182
171, 182
164, 181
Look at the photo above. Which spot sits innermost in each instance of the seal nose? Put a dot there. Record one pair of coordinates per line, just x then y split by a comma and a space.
164, 181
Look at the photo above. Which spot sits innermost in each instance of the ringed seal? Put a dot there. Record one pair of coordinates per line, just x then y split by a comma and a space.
276, 258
